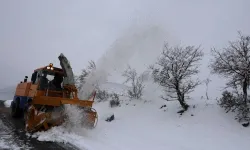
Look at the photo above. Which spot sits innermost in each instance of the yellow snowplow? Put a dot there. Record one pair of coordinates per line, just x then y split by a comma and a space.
42, 101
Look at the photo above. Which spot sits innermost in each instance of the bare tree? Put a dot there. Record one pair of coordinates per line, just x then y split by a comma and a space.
91, 66
233, 62
207, 81
81, 79
77, 81
115, 101
102, 95
174, 70
136, 82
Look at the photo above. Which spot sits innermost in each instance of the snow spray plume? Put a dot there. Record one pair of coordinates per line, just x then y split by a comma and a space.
137, 45
75, 117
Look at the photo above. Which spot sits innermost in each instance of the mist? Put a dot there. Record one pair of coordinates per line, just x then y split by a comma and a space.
138, 47
112, 33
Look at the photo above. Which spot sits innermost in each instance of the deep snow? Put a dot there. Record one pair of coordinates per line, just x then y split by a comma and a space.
141, 124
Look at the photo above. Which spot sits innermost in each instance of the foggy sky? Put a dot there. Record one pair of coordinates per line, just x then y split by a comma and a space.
34, 33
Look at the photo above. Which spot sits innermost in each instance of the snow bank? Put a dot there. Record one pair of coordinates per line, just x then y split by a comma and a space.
7, 103
143, 125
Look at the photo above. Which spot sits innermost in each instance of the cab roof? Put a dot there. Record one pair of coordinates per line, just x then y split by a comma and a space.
55, 69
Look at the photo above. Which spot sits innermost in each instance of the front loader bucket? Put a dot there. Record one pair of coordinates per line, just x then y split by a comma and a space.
38, 120
89, 114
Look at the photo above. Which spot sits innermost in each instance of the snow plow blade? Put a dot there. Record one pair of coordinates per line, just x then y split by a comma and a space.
42, 120
43, 101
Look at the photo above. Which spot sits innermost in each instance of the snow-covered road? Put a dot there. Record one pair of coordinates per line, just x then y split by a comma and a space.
13, 137
8, 141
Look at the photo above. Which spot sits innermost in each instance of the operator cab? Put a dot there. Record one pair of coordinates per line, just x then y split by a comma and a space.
48, 77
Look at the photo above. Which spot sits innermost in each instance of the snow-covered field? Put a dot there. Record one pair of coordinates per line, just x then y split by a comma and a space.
143, 125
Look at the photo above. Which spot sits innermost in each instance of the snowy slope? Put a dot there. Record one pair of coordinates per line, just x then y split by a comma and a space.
142, 125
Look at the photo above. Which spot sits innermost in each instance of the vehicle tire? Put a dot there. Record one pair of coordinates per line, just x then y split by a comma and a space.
24, 118
15, 110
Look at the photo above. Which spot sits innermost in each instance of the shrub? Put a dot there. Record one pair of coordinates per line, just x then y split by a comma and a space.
115, 101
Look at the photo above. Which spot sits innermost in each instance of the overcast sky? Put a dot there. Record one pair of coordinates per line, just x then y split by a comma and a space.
34, 33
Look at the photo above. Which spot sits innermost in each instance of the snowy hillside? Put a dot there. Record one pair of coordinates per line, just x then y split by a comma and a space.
143, 125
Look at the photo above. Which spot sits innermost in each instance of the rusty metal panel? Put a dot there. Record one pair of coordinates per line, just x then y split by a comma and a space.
23, 89
45, 100
33, 90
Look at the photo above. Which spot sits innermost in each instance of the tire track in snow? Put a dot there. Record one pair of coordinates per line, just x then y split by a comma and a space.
13, 133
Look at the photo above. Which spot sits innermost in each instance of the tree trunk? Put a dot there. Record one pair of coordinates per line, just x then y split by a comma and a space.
181, 99
245, 90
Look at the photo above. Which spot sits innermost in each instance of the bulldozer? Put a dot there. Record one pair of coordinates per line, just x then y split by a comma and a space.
41, 102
